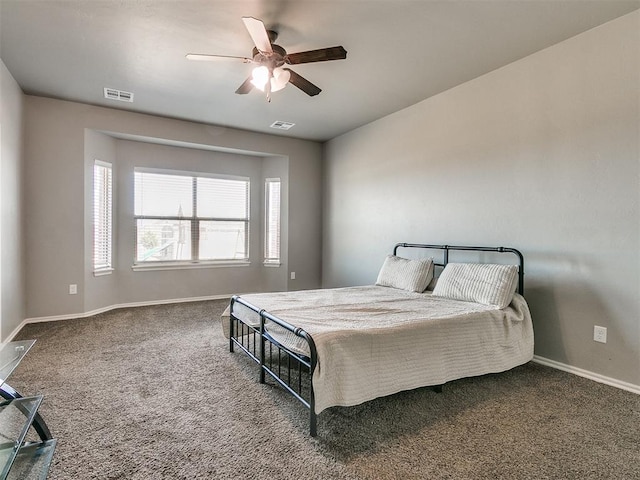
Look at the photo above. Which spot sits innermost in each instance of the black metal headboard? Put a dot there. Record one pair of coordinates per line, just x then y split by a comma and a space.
447, 248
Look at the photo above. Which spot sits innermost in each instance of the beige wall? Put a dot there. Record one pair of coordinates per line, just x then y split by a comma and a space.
12, 283
63, 139
541, 155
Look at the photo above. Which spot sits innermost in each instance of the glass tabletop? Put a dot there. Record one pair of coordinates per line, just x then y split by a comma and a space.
16, 416
11, 354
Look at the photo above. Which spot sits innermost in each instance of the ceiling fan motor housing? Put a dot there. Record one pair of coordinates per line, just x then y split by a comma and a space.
273, 60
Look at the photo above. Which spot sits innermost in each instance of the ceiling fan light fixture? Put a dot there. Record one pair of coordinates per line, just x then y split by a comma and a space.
260, 77
280, 79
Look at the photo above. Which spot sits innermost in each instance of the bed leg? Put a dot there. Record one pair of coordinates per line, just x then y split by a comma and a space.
262, 349
437, 388
313, 423
233, 300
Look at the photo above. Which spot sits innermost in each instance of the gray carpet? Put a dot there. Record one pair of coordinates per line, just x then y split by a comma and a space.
153, 393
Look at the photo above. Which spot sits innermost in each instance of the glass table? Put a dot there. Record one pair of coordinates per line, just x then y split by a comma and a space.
19, 458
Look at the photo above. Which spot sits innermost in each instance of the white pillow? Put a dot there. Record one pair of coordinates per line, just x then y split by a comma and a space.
412, 275
484, 283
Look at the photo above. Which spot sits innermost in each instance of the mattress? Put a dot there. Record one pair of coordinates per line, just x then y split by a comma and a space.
374, 341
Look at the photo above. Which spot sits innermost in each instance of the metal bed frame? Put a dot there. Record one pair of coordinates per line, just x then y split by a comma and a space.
287, 367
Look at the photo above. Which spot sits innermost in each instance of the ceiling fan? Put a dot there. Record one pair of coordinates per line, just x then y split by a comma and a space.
270, 73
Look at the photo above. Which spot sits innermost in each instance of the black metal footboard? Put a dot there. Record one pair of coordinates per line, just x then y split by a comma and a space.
282, 364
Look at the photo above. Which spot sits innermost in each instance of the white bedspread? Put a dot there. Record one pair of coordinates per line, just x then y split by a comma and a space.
374, 341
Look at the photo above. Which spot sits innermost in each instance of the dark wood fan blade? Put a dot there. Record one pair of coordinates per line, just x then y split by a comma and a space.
321, 55
246, 87
303, 84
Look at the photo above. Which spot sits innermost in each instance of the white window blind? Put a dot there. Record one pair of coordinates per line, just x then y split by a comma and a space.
102, 216
272, 221
190, 217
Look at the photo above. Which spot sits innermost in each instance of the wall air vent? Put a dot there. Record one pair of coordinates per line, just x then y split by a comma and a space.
113, 94
280, 125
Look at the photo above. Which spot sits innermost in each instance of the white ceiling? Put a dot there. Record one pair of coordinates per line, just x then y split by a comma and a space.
399, 53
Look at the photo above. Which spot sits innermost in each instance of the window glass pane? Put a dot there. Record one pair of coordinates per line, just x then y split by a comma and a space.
272, 220
162, 194
102, 215
223, 240
181, 200
163, 240
223, 198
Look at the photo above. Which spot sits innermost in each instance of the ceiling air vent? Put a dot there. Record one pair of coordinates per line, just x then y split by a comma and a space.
113, 94
280, 125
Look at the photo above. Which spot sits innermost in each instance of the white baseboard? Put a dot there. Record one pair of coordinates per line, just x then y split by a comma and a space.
70, 316
596, 377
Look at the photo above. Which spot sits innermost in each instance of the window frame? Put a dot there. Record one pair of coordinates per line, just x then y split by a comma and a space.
194, 219
102, 257
268, 259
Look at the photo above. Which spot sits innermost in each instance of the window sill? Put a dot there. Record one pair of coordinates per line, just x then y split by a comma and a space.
271, 264
102, 272
188, 265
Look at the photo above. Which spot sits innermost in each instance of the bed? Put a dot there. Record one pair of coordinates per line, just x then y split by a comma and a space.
345, 346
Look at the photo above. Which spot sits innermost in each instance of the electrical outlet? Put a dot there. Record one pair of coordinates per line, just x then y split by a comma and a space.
293, 275
73, 289
600, 334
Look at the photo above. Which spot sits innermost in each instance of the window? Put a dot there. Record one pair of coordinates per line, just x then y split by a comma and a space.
272, 221
102, 217
190, 217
